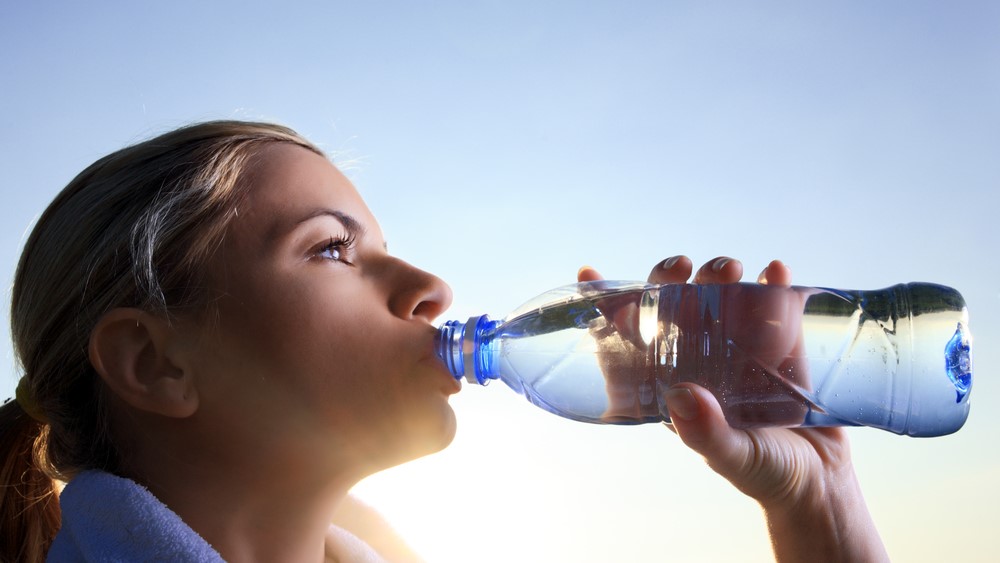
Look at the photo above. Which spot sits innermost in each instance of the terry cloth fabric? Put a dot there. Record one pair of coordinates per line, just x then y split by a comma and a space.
108, 518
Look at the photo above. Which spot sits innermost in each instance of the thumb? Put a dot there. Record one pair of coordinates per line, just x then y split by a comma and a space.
697, 418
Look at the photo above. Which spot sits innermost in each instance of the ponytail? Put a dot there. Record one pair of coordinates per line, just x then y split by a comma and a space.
29, 498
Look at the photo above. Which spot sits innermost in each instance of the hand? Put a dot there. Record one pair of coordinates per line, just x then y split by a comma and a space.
802, 477
749, 353
768, 464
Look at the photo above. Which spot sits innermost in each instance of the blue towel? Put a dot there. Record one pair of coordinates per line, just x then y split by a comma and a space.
108, 518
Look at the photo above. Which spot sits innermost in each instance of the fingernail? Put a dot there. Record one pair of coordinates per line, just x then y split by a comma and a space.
670, 262
720, 264
681, 404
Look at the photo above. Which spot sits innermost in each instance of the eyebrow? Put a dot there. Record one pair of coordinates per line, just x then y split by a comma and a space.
353, 226
349, 222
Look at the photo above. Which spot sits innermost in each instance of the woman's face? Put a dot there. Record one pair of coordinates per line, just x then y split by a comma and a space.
323, 341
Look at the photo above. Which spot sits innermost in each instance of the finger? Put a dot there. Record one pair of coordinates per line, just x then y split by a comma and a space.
586, 274
676, 269
776, 273
720, 270
697, 418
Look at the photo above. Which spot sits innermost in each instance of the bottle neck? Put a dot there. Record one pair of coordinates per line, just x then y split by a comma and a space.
462, 348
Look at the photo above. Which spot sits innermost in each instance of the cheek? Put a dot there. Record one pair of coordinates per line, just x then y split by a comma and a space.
332, 358
280, 336
334, 355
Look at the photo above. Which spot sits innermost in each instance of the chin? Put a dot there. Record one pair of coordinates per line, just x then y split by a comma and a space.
418, 437
448, 431
439, 434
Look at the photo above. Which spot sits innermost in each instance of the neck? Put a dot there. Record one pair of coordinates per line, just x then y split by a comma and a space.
287, 523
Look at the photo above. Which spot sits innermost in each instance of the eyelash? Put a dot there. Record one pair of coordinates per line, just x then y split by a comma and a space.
342, 245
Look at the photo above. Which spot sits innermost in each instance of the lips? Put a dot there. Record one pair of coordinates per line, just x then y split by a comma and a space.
454, 385
431, 357
450, 385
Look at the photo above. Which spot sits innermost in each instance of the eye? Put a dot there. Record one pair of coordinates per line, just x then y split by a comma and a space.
337, 249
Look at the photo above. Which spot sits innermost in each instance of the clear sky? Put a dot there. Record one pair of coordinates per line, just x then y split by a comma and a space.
503, 144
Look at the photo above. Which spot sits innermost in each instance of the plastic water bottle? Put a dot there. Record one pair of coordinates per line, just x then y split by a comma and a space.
605, 352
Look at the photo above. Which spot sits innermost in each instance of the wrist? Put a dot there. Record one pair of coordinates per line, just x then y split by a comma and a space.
826, 521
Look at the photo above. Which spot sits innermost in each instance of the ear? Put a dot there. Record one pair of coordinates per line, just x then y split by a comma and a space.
136, 355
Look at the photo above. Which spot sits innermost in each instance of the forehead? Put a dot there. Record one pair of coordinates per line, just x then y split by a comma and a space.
289, 183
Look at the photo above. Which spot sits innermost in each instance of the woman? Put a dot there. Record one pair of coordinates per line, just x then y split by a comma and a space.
201, 320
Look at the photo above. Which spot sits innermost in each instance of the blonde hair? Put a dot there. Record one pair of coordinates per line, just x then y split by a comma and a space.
134, 229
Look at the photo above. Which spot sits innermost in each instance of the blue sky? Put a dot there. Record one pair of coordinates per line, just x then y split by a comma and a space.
504, 144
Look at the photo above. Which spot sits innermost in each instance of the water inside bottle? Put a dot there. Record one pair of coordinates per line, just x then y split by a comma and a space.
799, 356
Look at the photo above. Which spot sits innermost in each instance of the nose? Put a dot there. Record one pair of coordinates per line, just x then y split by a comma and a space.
418, 294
